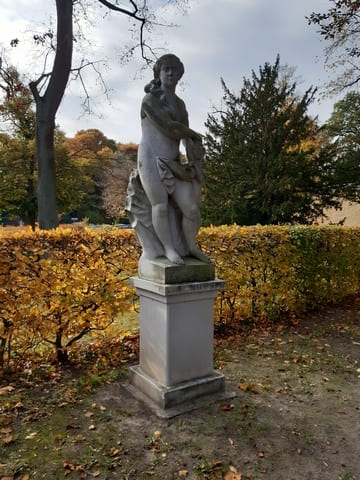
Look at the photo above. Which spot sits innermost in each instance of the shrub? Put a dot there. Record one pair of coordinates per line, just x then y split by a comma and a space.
271, 272
57, 287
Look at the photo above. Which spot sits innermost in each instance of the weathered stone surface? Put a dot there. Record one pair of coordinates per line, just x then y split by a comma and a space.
161, 270
176, 283
163, 196
168, 397
176, 341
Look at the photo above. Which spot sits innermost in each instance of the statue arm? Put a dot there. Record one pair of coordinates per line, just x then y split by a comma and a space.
152, 108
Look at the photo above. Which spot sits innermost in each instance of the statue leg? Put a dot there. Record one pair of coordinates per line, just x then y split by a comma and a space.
162, 229
158, 198
186, 198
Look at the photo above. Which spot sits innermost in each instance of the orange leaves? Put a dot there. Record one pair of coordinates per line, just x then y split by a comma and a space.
58, 286
232, 474
71, 467
248, 387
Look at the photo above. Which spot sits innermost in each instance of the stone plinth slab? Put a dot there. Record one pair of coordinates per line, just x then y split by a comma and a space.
161, 270
184, 392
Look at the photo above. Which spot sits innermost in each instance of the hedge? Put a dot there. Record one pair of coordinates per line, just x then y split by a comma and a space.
272, 271
57, 286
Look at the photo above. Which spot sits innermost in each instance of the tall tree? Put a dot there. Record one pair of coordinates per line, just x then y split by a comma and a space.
93, 154
265, 162
115, 181
18, 164
47, 105
49, 88
343, 128
340, 28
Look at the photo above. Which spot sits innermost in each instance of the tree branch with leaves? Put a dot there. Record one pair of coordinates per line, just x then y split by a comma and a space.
340, 28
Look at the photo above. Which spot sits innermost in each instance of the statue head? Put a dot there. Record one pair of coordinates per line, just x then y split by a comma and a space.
160, 62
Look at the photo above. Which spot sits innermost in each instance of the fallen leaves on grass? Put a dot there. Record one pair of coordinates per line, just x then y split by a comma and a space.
68, 467
71, 466
232, 474
6, 421
209, 469
5, 430
227, 407
7, 440
6, 389
248, 387
73, 426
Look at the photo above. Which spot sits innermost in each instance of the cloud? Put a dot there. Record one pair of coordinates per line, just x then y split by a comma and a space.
214, 39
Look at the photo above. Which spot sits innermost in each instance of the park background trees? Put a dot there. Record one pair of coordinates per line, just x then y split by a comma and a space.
267, 160
49, 87
72, 164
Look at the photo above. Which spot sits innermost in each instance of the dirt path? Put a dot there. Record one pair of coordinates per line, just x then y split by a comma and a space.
296, 417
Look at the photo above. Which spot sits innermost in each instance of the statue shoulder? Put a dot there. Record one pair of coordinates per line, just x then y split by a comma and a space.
151, 100
182, 110
181, 103
150, 103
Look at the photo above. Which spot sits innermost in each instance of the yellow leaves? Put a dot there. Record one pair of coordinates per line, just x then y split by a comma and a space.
69, 281
75, 280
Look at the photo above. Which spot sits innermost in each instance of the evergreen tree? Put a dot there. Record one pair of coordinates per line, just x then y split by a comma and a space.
266, 162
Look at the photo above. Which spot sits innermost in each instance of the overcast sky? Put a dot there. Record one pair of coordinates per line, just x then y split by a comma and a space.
214, 38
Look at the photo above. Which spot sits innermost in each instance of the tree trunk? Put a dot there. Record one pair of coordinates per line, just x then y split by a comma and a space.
46, 109
61, 351
31, 194
46, 189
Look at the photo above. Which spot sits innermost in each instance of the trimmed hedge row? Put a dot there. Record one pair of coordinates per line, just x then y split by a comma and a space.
274, 271
56, 287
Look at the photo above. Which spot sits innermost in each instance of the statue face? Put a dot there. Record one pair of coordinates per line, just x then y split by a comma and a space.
170, 73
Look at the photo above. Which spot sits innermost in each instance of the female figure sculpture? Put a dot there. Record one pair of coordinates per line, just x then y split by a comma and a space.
163, 199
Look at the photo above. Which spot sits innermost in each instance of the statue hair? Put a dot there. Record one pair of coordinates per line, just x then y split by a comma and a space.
155, 82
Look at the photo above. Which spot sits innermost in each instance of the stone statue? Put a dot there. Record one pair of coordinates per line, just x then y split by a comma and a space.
163, 197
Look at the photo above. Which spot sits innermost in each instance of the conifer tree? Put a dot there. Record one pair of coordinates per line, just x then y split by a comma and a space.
266, 162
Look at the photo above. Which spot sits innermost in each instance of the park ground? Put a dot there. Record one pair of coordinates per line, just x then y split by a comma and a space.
296, 414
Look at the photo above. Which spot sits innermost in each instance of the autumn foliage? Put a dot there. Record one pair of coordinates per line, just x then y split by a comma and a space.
273, 272
56, 287
59, 287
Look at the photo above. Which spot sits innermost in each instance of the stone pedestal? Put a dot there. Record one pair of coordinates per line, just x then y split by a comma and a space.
176, 335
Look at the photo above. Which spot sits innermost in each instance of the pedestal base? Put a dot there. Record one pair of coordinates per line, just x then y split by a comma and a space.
168, 402
176, 335
166, 397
